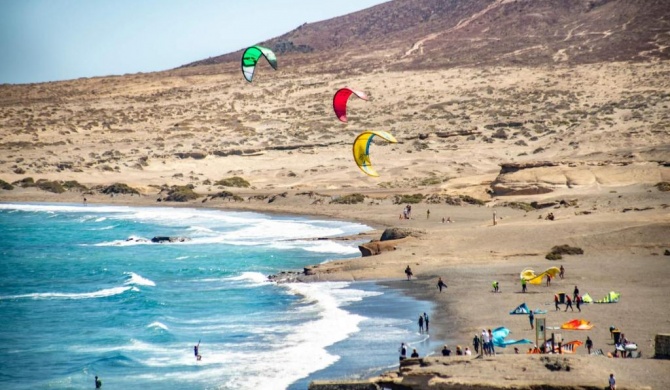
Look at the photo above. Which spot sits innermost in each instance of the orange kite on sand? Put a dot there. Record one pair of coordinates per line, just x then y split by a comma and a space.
577, 325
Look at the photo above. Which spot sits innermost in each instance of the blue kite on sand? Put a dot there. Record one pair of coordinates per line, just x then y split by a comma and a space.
499, 335
523, 309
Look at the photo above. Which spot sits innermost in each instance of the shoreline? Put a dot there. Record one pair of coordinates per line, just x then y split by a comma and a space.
628, 245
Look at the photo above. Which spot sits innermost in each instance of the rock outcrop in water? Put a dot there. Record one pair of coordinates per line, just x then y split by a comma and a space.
162, 239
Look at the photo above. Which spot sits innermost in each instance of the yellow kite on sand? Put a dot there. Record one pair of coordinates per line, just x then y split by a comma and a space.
529, 275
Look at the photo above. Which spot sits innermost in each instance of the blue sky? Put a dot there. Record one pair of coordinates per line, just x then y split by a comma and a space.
48, 40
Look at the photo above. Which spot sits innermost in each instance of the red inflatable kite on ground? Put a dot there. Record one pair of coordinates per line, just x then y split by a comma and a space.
340, 101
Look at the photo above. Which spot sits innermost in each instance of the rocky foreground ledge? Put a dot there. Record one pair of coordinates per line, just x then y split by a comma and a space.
522, 372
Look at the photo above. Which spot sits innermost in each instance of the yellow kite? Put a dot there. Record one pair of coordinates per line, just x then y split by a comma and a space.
530, 277
362, 149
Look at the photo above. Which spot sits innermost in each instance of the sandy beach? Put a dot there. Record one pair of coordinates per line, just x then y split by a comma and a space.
594, 160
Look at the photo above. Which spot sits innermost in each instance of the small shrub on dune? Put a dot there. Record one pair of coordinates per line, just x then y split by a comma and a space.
558, 251
469, 199
25, 182
5, 186
119, 188
553, 256
408, 199
234, 181
663, 186
567, 250
349, 199
50, 186
71, 185
181, 194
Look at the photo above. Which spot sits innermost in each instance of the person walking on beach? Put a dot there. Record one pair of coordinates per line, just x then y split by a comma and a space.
420, 323
578, 301
556, 302
562, 272
548, 280
568, 303
523, 285
403, 351
475, 343
575, 293
589, 344
425, 319
531, 318
441, 284
98, 383
428, 214
408, 272
495, 220
612, 382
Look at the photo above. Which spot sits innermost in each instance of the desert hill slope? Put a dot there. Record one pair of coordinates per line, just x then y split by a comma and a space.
436, 33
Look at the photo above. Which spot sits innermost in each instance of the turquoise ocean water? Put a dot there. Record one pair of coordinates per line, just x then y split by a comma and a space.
82, 294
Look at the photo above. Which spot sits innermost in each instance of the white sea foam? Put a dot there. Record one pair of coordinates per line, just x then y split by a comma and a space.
319, 246
108, 292
157, 324
138, 280
103, 228
182, 257
256, 278
100, 219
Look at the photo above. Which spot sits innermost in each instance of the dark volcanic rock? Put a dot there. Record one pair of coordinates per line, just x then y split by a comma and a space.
162, 239
398, 233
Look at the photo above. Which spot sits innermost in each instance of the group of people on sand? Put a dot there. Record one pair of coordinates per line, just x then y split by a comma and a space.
403, 352
407, 212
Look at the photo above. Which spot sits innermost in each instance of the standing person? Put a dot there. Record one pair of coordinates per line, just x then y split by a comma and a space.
475, 343
575, 293
428, 214
408, 272
440, 284
485, 342
548, 280
568, 303
425, 320
403, 351
589, 344
578, 301
495, 220
420, 323
492, 350
531, 318
98, 383
85, 201
523, 285
562, 273
556, 302
612, 382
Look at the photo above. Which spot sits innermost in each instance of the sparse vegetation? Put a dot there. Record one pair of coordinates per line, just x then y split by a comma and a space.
119, 188
558, 251
349, 199
50, 186
181, 194
469, 199
663, 186
5, 186
227, 195
71, 185
234, 181
408, 199
25, 182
